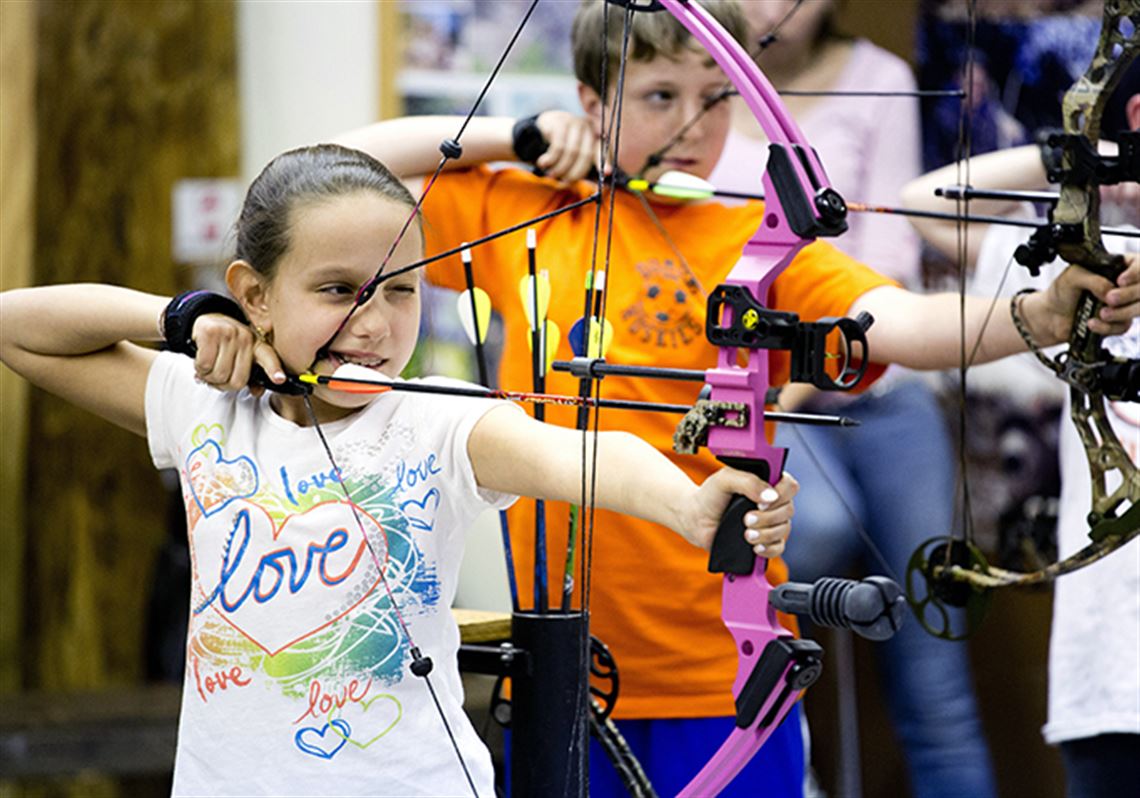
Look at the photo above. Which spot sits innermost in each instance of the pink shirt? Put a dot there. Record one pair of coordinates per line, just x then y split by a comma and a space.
870, 146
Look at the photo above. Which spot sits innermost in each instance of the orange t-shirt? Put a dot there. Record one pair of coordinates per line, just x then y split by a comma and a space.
652, 599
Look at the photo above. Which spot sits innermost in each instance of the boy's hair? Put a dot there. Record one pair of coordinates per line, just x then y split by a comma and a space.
308, 174
652, 34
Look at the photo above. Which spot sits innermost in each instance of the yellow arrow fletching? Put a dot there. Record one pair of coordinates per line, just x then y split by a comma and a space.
527, 295
480, 313
551, 339
601, 336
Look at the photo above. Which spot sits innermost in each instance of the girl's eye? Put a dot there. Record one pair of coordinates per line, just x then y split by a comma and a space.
338, 290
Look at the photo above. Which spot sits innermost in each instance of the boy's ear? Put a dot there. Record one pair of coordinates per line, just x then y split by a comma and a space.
592, 104
249, 288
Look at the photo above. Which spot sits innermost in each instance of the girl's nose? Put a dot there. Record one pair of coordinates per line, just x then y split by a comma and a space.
371, 319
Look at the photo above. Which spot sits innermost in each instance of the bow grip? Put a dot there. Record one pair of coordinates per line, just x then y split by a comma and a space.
730, 553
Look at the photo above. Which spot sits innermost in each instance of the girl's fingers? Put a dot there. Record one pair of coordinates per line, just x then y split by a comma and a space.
265, 356
767, 530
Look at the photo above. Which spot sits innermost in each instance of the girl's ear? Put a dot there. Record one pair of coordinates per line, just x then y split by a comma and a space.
250, 289
592, 105
1132, 112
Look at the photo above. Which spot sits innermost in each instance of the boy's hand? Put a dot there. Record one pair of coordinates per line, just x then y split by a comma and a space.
572, 147
227, 351
1049, 314
766, 527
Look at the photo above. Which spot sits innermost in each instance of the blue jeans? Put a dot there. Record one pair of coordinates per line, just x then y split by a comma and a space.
1105, 766
896, 472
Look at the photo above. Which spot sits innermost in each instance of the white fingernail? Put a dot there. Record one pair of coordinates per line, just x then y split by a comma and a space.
751, 518
769, 496
760, 548
752, 536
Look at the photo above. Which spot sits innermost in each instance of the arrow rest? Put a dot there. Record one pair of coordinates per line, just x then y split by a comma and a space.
736, 318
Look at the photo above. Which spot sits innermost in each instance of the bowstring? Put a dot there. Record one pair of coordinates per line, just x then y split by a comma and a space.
962, 208
610, 131
450, 149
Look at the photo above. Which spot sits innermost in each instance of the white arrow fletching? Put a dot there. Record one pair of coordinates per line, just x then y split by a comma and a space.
354, 371
682, 185
467, 316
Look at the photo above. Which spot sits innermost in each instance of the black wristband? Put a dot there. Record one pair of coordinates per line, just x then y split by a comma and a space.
527, 140
179, 317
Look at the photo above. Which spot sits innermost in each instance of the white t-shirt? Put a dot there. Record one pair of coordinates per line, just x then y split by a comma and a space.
1094, 650
297, 678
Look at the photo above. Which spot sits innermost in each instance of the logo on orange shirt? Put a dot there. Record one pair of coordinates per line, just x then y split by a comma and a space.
668, 311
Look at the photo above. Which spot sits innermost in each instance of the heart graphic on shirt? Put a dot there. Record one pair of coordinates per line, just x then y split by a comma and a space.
216, 481
421, 512
280, 584
371, 719
312, 740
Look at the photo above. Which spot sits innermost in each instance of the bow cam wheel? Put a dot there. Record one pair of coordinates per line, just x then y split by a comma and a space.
946, 606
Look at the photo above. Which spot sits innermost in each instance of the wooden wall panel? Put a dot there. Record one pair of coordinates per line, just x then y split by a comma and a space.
131, 97
17, 200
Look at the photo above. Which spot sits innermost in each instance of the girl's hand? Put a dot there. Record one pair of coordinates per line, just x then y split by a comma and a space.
766, 528
227, 351
572, 147
1049, 314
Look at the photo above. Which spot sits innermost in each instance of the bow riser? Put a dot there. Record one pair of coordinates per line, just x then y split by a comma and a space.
1079, 208
772, 667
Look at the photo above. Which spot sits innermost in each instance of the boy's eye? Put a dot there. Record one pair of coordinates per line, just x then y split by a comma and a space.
660, 96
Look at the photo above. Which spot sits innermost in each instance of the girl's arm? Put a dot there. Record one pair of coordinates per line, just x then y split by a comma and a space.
922, 331
74, 341
1015, 169
513, 453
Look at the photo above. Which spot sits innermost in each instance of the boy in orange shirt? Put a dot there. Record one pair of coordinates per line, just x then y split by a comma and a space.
661, 618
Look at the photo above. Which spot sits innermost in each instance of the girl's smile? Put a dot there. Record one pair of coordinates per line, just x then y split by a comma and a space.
335, 247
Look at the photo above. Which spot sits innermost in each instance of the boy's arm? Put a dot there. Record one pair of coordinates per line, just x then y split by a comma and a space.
73, 341
922, 331
410, 146
513, 453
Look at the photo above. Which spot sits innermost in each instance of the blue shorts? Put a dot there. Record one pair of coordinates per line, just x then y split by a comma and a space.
672, 751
